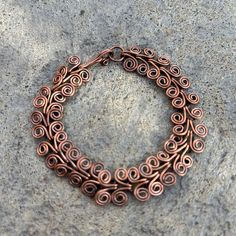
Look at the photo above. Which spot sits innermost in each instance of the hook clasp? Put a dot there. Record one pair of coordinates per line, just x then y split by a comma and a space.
114, 53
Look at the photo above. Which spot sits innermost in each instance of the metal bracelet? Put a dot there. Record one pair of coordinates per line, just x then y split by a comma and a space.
148, 178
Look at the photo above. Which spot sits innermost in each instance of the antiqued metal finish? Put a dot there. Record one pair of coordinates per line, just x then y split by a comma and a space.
151, 176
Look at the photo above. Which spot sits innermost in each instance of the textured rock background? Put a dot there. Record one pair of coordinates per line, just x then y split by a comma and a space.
118, 118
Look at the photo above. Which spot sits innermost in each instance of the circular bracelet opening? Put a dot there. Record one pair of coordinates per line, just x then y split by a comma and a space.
123, 126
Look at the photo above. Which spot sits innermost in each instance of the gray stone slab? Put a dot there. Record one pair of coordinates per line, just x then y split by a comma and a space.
118, 118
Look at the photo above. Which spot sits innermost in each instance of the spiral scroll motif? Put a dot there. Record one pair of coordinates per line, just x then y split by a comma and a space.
151, 176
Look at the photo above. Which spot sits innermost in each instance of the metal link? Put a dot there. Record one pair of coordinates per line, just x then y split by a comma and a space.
120, 57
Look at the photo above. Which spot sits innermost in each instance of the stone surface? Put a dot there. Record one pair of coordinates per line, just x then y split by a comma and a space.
118, 118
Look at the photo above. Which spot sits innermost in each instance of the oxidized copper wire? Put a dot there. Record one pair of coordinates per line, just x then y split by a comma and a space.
149, 178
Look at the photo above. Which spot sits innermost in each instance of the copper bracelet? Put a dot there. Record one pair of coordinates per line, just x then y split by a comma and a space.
147, 179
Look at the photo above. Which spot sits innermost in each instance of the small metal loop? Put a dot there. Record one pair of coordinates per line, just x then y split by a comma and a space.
118, 57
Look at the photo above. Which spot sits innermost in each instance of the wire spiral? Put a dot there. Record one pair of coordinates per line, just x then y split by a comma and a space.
151, 176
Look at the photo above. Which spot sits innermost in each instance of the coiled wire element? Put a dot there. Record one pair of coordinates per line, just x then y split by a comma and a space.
150, 177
